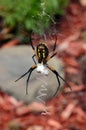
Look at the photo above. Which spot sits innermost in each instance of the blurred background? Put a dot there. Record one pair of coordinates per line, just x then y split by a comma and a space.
43, 21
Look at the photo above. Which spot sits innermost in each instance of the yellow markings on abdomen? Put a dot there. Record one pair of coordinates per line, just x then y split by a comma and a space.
42, 52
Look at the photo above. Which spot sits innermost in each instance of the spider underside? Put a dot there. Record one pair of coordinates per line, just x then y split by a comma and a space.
42, 56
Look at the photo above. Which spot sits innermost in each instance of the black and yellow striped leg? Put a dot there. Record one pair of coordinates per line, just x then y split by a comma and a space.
29, 71
51, 56
32, 43
22, 75
53, 53
57, 76
54, 47
34, 58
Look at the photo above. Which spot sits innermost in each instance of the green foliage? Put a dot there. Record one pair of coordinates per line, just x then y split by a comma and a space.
35, 15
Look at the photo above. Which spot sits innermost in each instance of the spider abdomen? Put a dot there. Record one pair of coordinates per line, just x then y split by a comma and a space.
42, 52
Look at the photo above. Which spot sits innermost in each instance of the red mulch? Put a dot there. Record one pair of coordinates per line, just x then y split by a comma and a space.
66, 111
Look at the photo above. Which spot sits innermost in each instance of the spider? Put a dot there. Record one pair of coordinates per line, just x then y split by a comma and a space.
41, 52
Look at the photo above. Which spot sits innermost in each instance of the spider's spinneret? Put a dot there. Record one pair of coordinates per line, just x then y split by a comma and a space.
42, 53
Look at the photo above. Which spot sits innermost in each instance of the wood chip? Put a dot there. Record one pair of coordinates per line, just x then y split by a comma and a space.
68, 111
54, 123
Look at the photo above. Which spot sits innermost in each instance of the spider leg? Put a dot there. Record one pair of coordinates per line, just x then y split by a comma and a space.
57, 76
33, 58
25, 73
51, 56
30, 71
22, 75
65, 82
54, 47
31, 43
33, 49
53, 53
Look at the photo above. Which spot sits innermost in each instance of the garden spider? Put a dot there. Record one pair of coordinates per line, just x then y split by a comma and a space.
42, 56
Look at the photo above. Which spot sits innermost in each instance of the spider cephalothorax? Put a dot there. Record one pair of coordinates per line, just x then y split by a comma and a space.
41, 52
